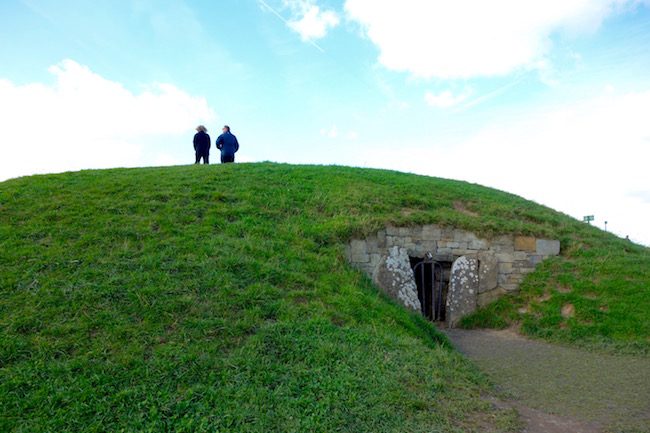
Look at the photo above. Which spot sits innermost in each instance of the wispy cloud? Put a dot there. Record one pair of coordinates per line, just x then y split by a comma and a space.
491, 94
307, 19
331, 132
446, 98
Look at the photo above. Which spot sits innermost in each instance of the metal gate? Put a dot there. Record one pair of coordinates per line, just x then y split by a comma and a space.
431, 284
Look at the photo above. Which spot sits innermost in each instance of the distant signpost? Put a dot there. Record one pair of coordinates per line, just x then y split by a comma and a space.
588, 219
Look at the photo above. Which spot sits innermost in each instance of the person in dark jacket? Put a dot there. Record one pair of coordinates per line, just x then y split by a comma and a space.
228, 145
202, 145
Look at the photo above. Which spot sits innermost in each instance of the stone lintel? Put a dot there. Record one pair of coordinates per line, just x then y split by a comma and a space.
525, 243
503, 249
392, 231
431, 232
502, 240
477, 244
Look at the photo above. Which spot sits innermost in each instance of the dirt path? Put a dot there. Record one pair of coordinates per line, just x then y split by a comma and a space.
562, 389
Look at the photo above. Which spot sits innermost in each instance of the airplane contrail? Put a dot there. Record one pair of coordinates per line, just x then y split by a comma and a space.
489, 95
286, 22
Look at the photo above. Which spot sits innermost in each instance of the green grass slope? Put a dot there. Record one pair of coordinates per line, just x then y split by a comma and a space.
218, 299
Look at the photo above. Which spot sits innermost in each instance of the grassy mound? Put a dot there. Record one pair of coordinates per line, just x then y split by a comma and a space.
218, 299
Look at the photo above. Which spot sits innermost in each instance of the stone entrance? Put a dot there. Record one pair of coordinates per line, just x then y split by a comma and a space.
432, 281
478, 270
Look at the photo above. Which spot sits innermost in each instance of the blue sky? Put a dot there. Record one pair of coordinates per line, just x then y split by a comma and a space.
549, 100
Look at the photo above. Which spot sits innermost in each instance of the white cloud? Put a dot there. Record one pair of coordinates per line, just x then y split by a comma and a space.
446, 98
468, 38
86, 121
331, 132
334, 133
309, 20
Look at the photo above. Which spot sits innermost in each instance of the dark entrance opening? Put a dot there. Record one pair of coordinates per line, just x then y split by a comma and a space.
432, 280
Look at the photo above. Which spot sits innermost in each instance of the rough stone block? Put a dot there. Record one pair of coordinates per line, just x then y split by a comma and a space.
520, 255
404, 231
515, 279
360, 258
359, 251
374, 262
547, 247
504, 249
430, 246
505, 267
463, 289
488, 272
525, 243
520, 264
395, 276
477, 244
463, 252
392, 241
463, 236
503, 240
409, 244
417, 250
505, 257
381, 237
447, 234
431, 232
392, 231
443, 257
372, 245
534, 260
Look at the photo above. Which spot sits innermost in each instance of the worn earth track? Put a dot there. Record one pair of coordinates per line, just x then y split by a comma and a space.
562, 389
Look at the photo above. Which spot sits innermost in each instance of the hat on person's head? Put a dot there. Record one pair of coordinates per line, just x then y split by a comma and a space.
201, 128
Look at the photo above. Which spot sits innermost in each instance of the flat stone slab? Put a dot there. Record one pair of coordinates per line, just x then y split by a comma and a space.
525, 243
488, 272
547, 247
395, 276
463, 289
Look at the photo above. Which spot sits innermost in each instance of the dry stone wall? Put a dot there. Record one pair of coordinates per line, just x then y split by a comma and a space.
489, 267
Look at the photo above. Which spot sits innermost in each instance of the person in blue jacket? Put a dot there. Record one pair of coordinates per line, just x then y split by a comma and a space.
228, 145
202, 145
